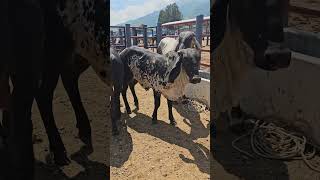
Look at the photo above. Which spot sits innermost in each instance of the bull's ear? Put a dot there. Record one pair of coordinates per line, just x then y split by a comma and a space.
174, 73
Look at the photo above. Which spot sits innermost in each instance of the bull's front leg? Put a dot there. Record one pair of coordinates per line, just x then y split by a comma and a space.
157, 97
171, 118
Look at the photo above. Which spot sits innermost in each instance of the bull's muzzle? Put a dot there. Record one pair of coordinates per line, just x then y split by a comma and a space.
195, 79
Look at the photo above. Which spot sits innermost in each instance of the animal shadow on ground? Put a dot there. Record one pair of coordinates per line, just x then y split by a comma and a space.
93, 170
121, 145
237, 164
198, 130
173, 135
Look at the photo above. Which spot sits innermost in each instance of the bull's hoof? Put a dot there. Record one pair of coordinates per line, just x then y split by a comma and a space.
173, 122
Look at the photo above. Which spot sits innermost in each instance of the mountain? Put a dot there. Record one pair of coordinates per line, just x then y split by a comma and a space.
149, 19
189, 9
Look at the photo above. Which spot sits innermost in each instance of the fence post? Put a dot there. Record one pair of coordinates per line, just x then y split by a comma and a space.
145, 36
134, 33
128, 35
112, 38
120, 35
159, 33
199, 26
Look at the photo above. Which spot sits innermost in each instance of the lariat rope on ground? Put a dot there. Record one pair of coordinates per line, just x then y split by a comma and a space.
272, 142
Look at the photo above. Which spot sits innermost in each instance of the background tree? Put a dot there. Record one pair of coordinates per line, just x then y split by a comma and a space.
169, 14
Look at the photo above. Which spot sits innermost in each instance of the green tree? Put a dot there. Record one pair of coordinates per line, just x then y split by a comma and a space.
169, 14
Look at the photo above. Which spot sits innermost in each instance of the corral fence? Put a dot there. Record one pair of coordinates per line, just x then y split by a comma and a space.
149, 37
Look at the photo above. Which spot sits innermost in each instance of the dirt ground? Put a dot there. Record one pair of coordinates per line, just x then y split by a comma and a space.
94, 166
161, 151
141, 151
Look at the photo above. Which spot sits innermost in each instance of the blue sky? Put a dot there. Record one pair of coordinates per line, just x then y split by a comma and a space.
124, 10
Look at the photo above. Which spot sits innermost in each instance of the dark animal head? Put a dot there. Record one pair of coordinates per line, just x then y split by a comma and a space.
260, 23
189, 60
187, 39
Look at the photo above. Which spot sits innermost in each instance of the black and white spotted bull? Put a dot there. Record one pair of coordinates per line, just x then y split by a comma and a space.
247, 34
165, 74
46, 34
186, 39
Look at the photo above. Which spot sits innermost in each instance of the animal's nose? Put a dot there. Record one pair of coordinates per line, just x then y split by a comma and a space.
278, 58
195, 79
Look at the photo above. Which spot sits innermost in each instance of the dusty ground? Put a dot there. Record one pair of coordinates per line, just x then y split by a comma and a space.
82, 167
161, 151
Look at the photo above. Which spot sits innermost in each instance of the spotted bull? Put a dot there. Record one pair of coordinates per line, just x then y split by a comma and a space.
185, 40
165, 74
247, 34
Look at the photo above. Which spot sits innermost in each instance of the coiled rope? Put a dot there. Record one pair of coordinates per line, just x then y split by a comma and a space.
272, 142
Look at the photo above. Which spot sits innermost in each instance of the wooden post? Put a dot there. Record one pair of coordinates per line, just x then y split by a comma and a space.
120, 36
128, 35
145, 36
159, 33
134, 33
112, 38
199, 23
